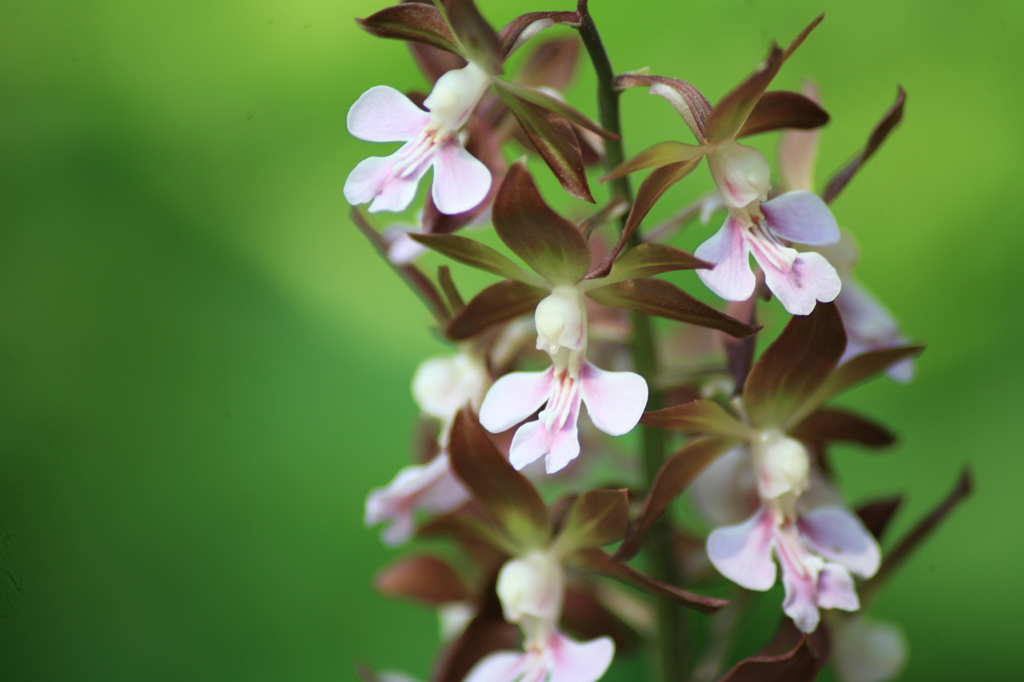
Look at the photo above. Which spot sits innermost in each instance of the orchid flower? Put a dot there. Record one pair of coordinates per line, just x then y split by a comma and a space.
560, 256
869, 325
435, 138
866, 650
755, 226
778, 411
383, 114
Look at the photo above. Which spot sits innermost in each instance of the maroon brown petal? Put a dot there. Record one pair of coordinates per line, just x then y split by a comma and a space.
598, 561
474, 254
645, 260
497, 303
729, 115
510, 33
585, 618
784, 379
697, 418
424, 579
596, 518
861, 368
691, 104
881, 131
434, 62
830, 424
412, 21
651, 189
555, 140
783, 109
451, 292
551, 64
545, 101
478, 40
550, 244
799, 40
675, 475
654, 296
877, 515
508, 496
797, 665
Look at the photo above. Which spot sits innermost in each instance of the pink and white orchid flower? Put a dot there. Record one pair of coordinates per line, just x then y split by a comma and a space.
532, 592
818, 551
432, 139
444, 384
430, 487
766, 229
614, 400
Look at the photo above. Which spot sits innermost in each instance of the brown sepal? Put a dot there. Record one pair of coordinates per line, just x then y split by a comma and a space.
675, 475
649, 259
651, 189
877, 515
497, 303
475, 35
551, 64
555, 140
451, 292
687, 100
509, 34
586, 618
508, 496
729, 115
424, 579
830, 424
697, 418
796, 665
862, 367
598, 561
434, 62
550, 244
786, 376
596, 518
783, 109
657, 297
411, 21
892, 117
476, 255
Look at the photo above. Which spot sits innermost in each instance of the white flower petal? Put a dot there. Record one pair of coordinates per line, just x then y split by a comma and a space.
383, 114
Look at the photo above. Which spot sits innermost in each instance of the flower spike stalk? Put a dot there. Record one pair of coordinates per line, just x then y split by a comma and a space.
518, 466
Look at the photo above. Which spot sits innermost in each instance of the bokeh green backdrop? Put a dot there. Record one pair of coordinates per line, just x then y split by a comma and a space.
203, 368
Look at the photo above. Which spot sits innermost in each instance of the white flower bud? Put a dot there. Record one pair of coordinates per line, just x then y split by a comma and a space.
561, 320
454, 97
782, 464
446, 383
741, 173
531, 589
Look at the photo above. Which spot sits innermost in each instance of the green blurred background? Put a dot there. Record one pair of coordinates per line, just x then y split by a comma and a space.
204, 368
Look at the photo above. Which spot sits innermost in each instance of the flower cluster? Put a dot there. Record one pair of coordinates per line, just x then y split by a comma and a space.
561, 353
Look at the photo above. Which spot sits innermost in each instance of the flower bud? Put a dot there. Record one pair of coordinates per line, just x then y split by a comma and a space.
741, 173
454, 97
782, 463
531, 589
561, 320
444, 384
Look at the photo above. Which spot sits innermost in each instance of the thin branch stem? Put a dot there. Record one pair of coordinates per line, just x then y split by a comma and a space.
671, 637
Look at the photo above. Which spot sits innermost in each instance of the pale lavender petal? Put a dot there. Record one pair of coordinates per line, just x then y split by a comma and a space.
514, 397
835, 589
461, 181
743, 553
724, 492
383, 114
503, 666
430, 487
811, 279
801, 217
839, 536
402, 250
614, 400
866, 651
800, 578
731, 278
446, 493
580, 661
870, 326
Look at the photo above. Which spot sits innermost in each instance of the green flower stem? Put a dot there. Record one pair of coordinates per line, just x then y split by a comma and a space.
671, 637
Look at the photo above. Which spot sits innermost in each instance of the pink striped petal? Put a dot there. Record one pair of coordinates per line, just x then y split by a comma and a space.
801, 217
514, 397
743, 553
580, 661
374, 179
839, 536
811, 279
383, 114
614, 400
534, 440
731, 278
835, 589
461, 181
